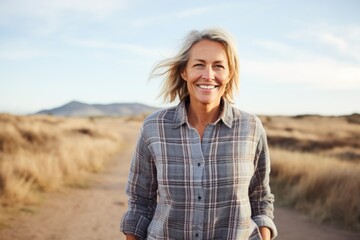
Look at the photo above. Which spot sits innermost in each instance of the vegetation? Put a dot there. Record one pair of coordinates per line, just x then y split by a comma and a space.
325, 188
315, 159
326, 136
315, 166
44, 153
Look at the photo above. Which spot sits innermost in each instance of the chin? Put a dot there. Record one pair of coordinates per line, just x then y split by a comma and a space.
208, 101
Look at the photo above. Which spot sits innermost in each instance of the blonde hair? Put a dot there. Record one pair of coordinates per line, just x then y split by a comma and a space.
174, 86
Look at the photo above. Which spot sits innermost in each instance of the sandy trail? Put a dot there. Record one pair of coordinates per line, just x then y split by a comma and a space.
95, 212
294, 226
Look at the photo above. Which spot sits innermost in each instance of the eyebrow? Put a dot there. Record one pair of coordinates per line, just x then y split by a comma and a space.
203, 61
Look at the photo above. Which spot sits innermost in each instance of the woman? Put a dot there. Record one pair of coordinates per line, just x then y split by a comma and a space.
200, 169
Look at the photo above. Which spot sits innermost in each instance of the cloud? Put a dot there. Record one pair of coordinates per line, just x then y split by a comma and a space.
344, 39
45, 8
14, 55
278, 47
127, 47
324, 57
19, 50
344, 45
46, 17
196, 11
191, 12
315, 72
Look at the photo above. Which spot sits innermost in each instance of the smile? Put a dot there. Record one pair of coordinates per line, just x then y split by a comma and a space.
207, 86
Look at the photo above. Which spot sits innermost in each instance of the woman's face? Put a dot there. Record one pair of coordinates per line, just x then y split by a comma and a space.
206, 73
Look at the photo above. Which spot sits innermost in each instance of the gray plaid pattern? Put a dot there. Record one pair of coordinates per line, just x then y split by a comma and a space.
182, 187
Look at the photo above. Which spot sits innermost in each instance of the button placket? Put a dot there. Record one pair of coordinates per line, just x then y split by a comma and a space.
198, 191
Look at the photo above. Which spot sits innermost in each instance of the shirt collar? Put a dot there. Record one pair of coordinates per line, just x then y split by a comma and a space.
226, 115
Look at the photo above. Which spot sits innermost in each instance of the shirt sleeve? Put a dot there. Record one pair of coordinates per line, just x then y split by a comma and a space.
141, 190
261, 198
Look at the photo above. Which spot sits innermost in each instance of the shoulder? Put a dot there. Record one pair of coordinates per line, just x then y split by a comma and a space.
244, 117
166, 114
159, 119
247, 123
157, 123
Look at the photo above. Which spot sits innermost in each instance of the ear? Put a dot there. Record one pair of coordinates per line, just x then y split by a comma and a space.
183, 75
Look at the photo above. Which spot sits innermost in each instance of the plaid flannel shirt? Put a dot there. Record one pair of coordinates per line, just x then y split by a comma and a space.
182, 187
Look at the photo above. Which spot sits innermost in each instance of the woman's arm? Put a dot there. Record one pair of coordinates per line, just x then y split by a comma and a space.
261, 198
141, 190
131, 237
265, 233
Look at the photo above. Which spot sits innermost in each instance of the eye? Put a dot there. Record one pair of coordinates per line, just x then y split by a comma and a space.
219, 66
198, 65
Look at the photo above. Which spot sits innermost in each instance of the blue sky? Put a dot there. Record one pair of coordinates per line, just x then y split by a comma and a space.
296, 57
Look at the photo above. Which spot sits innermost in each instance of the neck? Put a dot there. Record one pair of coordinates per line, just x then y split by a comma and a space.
203, 114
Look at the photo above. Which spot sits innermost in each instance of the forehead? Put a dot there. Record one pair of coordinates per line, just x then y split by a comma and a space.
208, 50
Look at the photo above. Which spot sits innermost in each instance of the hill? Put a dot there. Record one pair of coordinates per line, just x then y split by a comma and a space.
80, 109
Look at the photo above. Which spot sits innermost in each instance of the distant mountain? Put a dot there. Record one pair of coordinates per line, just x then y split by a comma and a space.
80, 109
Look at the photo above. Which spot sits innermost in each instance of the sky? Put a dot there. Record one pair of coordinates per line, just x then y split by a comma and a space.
296, 57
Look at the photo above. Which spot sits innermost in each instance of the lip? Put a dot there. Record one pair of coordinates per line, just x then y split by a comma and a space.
206, 86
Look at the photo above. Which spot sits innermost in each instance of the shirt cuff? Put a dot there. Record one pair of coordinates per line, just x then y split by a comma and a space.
134, 224
265, 221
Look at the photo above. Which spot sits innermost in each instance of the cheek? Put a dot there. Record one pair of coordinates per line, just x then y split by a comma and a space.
192, 75
224, 78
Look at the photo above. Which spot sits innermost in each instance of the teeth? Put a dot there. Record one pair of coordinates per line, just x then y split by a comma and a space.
207, 86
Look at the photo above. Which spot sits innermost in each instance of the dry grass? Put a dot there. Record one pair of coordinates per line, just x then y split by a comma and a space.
325, 188
43, 153
315, 160
309, 170
328, 136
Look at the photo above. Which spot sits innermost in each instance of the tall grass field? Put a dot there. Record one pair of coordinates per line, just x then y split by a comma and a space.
43, 153
316, 166
315, 160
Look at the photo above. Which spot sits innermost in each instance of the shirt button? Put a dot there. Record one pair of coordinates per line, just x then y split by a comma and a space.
196, 235
199, 164
199, 197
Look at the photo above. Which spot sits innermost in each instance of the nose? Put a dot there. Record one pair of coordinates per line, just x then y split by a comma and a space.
208, 73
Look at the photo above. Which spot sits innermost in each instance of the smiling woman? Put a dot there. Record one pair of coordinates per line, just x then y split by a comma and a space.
206, 73
200, 169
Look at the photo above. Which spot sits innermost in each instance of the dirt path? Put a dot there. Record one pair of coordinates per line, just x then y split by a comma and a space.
294, 226
90, 213
94, 213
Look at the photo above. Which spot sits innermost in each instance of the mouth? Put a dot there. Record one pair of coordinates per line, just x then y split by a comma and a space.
206, 87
